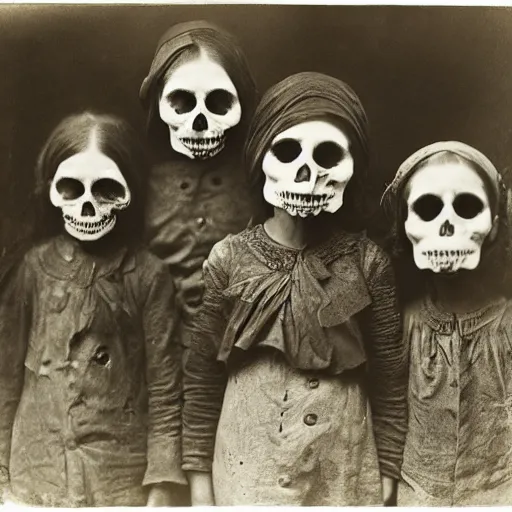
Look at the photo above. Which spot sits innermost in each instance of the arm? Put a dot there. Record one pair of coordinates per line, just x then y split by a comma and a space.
14, 326
204, 381
387, 369
163, 377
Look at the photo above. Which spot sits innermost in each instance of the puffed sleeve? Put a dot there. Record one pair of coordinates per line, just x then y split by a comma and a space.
15, 312
163, 377
204, 377
382, 327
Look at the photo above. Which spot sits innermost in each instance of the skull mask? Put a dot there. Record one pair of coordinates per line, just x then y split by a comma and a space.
449, 217
89, 189
199, 103
307, 169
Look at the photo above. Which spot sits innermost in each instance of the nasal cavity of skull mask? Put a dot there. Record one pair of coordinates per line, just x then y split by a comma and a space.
199, 103
90, 189
307, 169
448, 215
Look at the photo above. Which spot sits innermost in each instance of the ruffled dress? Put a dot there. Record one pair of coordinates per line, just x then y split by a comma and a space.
295, 381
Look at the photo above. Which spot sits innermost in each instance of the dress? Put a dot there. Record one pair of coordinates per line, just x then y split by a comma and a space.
90, 383
458, 447
295, 382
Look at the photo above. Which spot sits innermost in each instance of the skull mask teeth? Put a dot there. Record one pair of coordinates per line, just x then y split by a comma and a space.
447, 261
448, 218
204, 148
304, 204
90, 189
199, 104
307, 169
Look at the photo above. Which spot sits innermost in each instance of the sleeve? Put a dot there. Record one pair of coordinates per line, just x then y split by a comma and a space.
163, 377
15, 307
204, 377
387, 363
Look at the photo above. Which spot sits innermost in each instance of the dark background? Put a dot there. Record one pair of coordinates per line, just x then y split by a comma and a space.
423, 73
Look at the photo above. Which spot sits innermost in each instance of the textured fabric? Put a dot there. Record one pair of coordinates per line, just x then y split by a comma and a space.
393, 191
355, 324
294, 447
458, 447
276, 296
191, 208
90, 390
303, 97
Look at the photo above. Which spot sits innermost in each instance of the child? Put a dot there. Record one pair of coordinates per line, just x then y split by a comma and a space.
297, 346
90, 371
452, 255
199, 95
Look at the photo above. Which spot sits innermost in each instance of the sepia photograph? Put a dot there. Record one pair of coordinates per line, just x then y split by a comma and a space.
255, 255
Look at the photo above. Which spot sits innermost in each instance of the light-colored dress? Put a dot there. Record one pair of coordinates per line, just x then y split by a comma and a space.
295, 383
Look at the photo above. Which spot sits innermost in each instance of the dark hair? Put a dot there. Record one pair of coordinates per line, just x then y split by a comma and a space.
496, 254
223, 48
115, 139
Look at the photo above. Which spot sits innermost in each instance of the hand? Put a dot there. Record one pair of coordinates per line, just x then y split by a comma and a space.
389, 491
160, 495
201, 489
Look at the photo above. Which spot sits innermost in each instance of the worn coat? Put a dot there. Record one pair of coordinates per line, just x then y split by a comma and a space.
90, 377
295, 383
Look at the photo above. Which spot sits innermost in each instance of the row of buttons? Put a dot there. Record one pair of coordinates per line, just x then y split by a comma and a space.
311, 419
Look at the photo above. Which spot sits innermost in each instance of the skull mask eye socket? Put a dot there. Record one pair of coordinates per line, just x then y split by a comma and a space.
467, 206
287, 150
108, 190
182, 101
428, 207
70, 188
219, 102
328, 154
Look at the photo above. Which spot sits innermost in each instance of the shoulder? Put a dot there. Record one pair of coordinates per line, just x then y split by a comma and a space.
374, 261
224, 250
228, 251
374, 258
32, 256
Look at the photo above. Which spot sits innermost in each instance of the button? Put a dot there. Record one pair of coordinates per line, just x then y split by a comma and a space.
217, 181
454, 383
71, 444
184, 185
313, 383
200, 221
310, 419
284, 481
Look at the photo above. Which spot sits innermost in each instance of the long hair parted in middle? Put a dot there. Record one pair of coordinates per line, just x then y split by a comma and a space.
310, 96
117, 140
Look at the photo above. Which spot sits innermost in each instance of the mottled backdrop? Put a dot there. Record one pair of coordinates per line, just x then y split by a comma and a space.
423, 73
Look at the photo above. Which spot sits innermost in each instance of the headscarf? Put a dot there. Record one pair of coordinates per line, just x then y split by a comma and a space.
393, 192
411, 281
303, 97
225, 49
